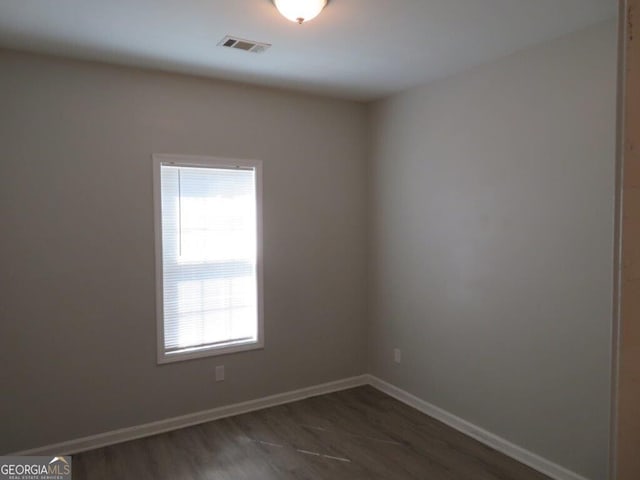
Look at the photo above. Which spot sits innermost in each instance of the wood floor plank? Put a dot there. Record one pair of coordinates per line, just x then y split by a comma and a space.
355, 434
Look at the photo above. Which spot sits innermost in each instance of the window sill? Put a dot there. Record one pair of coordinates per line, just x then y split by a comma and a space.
218, 350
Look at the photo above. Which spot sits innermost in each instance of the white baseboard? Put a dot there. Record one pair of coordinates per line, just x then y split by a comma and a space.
132, 433
161, 426
520, 454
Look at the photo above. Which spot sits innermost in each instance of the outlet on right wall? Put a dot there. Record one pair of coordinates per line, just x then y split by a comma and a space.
492, 240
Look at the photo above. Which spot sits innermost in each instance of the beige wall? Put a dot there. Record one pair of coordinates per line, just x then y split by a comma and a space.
492, 225
491, 233
77, 324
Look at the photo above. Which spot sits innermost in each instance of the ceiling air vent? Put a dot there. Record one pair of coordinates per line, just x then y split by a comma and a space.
242, 44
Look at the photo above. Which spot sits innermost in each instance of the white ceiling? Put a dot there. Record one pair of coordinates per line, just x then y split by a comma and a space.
359, 49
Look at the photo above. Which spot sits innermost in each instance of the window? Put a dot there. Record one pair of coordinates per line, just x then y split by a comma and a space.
208, 256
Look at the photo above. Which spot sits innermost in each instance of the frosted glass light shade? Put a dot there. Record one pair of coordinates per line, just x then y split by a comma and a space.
300, 11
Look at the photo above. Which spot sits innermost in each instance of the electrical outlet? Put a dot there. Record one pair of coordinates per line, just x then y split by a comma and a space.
219, 373
397, 355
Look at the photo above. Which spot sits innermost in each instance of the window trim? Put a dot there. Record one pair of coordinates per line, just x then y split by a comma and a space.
204, 161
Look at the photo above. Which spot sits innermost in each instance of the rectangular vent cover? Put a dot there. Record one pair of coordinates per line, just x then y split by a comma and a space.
242, 44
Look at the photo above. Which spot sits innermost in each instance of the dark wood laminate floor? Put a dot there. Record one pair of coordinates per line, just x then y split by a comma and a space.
352, 435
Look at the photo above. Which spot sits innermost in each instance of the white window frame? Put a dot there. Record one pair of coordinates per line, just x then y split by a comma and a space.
206, 162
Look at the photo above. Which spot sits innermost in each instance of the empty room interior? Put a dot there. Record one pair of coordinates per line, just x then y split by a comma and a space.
310, 239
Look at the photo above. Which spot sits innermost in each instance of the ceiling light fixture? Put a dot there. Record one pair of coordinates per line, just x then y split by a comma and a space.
300, 11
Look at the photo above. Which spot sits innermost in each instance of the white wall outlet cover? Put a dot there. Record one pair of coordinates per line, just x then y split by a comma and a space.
397, 355
219, 373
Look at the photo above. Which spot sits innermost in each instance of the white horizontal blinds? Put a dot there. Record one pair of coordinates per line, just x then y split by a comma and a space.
209, 234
